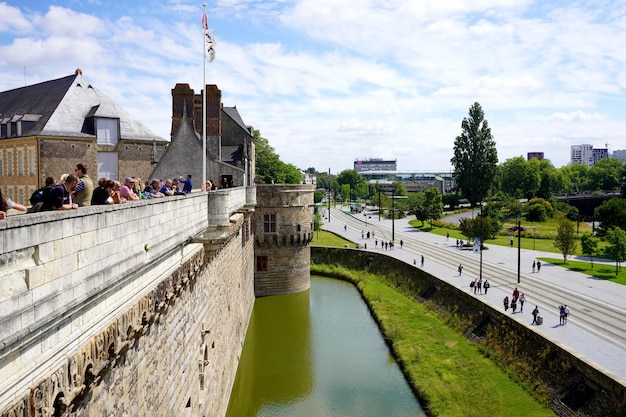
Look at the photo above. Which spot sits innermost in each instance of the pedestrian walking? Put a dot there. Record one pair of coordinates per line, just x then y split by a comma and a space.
376, 243
345, 227
422, 262
447, 235
362, 234
473, 285
534, 267
480, 286
460, 269
506, 302
522, 300
401, 243
514, 304
414, 262
561, 315
486, 286
566, 310
539, 266
511, 240
516, 293
535, 313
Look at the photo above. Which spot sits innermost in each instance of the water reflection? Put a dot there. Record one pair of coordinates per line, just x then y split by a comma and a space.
318, 353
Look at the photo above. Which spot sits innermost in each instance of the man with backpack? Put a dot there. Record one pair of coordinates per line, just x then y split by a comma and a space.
39, 196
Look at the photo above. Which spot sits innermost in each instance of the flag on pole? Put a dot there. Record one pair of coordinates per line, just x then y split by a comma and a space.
209, 40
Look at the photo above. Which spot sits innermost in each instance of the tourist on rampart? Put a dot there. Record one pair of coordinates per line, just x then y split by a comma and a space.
60, 197
208, 186
166, 188
187, 184
102, 193
127, 190
7, 204
116, 195
152, 189
176, 187
84, 189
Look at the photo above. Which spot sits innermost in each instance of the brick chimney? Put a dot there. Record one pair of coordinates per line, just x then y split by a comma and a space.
213, 111
182, 102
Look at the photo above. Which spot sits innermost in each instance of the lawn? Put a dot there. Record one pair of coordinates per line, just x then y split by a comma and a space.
604, 271
324, 238
538, 236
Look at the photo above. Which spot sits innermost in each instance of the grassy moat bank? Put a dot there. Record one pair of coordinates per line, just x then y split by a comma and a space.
449, 374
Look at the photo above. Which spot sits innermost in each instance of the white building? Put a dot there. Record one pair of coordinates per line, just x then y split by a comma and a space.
582, 154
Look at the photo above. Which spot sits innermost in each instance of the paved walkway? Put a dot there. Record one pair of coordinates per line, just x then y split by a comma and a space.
583, 342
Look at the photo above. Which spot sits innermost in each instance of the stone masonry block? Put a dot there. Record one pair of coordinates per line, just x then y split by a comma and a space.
66, 246
44, 253
35, 277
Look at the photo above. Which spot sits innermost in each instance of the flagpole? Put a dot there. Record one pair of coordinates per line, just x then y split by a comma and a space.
204, 29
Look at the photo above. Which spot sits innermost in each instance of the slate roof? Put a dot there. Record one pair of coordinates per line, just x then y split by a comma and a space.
61, 107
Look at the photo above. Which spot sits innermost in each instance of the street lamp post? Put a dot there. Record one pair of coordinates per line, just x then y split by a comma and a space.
393, 215
519, 248
328, 195
379, 202
480, 275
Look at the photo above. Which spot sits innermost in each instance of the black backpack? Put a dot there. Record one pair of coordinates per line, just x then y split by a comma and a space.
38, 197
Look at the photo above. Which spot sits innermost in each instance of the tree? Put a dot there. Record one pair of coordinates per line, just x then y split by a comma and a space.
318, 196
475, 157
433, 204
565, 239
269, 167
612, 213
479, 227
617, 248
589, 245
351, 178
606, 174
417, 206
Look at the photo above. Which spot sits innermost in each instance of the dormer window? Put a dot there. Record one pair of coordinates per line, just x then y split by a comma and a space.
107, 130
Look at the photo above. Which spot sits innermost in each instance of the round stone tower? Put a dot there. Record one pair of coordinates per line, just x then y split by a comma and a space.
283, 225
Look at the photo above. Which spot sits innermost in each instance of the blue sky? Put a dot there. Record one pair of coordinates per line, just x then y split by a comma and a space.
330, 81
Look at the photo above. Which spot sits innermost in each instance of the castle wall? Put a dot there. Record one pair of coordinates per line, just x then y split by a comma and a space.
283, 230
115, 311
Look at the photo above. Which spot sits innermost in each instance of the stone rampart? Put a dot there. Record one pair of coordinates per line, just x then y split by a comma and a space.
113, 310
571, 382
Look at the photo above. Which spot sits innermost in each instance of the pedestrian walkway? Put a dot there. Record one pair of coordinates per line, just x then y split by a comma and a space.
596, 349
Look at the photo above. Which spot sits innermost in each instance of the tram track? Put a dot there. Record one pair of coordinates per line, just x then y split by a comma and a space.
597, 316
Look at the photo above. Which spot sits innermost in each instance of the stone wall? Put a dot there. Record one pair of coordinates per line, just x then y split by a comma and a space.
571, 382
115, 311
282, 249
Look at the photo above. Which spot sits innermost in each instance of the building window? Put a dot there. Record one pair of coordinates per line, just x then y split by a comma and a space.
261, 263
107, 131
20, 163
31, 162
269, 223
10, 163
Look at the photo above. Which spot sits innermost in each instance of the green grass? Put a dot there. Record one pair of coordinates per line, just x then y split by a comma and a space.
600, 271
540, 238
450, 375
324, 238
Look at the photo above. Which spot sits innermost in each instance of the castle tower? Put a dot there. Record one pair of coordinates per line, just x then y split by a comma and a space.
182, 103
283, 222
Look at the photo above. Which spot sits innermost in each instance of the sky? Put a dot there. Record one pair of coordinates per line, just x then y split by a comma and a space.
331, 81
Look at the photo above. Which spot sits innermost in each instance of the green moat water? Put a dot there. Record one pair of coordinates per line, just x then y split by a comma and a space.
318, 353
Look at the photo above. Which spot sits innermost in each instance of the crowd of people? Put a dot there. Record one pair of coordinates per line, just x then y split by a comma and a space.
76, 190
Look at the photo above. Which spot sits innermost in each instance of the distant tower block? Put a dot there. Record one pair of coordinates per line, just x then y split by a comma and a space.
283, 230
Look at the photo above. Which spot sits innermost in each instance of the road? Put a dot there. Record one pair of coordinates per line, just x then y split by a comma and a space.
595, 329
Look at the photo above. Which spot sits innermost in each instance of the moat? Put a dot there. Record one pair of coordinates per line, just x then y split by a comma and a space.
318, 353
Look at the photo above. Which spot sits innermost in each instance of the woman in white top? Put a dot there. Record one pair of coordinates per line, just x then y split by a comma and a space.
7, 204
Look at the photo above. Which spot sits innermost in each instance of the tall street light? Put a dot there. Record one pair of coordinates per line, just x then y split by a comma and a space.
393, 215
519, 248
328, 195
480, 275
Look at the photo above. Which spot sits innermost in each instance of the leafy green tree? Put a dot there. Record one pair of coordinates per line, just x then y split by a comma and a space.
318, 196
269, 167
575, 178
317, 222
352, 179
612, 213
606, 174
538, 209
433, 203
451, 200
513, 174
617, 247
565, 239
417, 206
399, 188
589, 245
475, 157
479, 226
